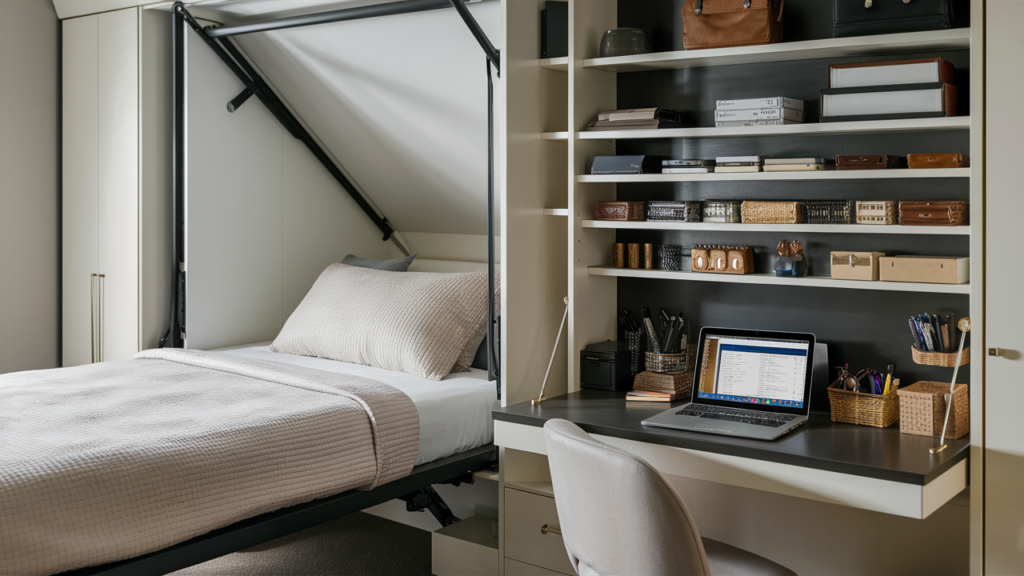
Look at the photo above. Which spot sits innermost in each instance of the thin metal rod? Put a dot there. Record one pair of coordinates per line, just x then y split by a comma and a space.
386, 9
952, 386
558, 339
176, 324
493, 365
479, 34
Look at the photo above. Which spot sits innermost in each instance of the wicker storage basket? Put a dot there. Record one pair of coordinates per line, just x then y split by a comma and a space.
678, 383
943, 359
666, 362
757, 212
923, 409
864, 409
829, 211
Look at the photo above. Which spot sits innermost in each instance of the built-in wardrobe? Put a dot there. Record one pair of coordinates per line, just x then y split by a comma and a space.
116, 184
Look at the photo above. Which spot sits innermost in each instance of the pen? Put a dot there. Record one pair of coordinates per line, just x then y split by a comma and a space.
888, 378
914, 334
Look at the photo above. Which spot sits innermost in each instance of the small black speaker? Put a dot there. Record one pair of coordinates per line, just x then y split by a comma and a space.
554, 30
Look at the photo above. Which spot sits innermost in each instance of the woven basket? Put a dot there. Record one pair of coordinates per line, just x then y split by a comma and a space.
944, 359
756, 212
864, 409
666, 362
679, 383
923, 410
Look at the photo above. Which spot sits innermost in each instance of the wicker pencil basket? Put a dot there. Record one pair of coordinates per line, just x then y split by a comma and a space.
944, 359
666, 362
864, 409
923, 410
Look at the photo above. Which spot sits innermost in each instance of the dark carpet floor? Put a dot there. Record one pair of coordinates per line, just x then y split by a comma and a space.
359, 543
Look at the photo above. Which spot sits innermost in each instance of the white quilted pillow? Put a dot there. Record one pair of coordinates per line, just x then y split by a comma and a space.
413, 322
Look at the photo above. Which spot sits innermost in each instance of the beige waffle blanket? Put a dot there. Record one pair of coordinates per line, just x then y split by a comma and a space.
110, 461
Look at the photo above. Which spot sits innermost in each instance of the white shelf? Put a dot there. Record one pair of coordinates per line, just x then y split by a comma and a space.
555, 136
771, 279
559, 64
795, 175
787, 228
556, 211
956, 39
866, 126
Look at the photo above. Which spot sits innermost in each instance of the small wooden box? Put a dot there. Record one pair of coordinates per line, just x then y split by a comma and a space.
855, 265
722, 259
923, 410
879, 212
948, 160
756, 212
928, 269
928, 213
619, 211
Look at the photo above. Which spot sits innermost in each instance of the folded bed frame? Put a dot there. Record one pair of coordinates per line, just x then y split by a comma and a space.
416, 488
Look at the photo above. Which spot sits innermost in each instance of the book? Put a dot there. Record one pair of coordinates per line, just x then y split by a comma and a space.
750, 103
863, 74
795, 167
776, 113
644, 396
738, 160
728, 169
640, 114
690, 170
737, 123
887, 102
687, 163
633, 125
768, 161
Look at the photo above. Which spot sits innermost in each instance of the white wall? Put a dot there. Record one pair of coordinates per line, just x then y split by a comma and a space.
263, 217
29, 192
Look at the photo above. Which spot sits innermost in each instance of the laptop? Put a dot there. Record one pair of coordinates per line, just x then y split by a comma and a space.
747, 383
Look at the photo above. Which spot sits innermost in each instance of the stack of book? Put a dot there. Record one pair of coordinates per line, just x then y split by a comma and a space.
637, 119
889, 91
773, 111
738, 164
796, 164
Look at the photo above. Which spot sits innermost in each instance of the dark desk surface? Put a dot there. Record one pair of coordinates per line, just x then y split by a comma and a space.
881, 453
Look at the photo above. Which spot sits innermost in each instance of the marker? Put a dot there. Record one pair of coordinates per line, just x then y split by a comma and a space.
888, 378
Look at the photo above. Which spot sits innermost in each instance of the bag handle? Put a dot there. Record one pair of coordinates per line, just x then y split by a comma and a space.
746, 5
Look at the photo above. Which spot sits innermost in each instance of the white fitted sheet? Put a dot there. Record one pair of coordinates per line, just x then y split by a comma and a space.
455, 413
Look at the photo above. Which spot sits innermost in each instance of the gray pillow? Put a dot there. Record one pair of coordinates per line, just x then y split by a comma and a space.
393, 265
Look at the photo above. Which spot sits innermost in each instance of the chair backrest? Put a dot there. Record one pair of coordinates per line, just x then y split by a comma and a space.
618, 515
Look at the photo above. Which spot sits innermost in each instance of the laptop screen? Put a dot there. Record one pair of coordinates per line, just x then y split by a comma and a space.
753, 370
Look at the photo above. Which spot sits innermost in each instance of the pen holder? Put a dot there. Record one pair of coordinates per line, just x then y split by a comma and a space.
662, 363
635, 340
876, 410
943, 359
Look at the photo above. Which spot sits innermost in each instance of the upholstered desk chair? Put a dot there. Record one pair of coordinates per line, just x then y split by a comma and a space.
620, 516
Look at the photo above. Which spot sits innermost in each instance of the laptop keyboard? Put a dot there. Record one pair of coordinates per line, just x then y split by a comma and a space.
734, 415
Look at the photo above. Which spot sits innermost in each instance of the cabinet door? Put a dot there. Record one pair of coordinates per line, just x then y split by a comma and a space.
118, 176
79, 192
1004, 392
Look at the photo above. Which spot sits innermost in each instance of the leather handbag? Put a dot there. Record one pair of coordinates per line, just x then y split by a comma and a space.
944, 213
867, 17
870, 162
724, 23
949, 160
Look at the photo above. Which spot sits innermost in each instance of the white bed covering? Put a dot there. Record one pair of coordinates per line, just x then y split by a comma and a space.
455, 413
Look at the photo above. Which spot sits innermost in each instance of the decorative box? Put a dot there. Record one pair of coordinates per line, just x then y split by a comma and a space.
722, 211
855, 265
829, 211
772, 212
619, 211
722, 259
876, 410
870, 162
933, 213
668, 257
665, 210
881, 212
951, 160
923, 410
928, 269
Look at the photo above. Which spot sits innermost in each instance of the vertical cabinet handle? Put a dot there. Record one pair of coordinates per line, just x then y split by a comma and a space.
96, 282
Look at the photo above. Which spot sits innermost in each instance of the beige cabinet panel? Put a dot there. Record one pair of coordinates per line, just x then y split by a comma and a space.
525, 515
79, 193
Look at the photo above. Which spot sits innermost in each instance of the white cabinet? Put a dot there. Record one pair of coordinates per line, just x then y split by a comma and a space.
116, 194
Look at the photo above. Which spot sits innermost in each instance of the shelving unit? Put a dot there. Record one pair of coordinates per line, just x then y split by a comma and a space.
772, 280
915, 124
556, 211
559, 64
787, 176
782, 228
563, 136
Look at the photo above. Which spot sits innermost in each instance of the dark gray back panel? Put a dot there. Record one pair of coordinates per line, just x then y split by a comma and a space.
863, 328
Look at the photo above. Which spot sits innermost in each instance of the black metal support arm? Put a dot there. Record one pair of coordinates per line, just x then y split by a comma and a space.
481, 37
175, 337
372, 11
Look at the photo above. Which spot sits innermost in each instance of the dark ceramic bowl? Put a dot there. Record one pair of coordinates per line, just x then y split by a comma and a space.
625, 41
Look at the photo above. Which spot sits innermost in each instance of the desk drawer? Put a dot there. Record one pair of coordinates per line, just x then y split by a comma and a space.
525, 514
517, 568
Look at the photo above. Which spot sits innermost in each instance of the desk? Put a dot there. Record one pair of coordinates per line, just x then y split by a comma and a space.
876, 469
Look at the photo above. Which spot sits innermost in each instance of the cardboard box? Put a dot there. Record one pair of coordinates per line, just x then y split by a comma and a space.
928, 269
855, 265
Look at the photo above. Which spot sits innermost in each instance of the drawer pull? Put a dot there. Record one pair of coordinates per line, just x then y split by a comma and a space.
544, 530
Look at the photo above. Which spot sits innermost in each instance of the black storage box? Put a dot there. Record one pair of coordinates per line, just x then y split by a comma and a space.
554, 30
645, 164
860, 18
605, 366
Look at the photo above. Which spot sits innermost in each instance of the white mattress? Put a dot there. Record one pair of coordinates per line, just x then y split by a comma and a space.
455, 413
